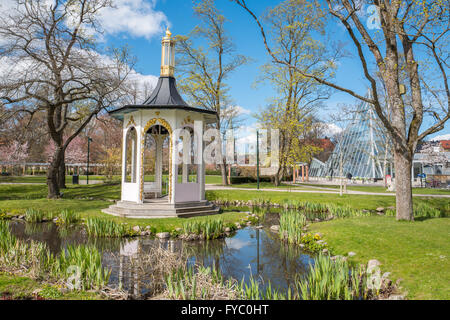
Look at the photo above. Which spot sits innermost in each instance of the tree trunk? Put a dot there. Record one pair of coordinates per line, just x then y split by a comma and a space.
278, 176
62, 173
223, 172
52, 177
403, 191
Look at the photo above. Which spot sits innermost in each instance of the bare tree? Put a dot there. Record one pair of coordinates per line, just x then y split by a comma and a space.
292, 24
407, 28
204, 71
50, 64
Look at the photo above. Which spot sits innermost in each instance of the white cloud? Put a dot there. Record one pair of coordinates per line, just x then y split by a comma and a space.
241, 111
441, 137
236, 244
143, 78
331, 129
135, 17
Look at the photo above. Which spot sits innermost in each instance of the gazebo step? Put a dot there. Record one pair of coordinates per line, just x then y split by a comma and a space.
152, 210
199, 213
162, 205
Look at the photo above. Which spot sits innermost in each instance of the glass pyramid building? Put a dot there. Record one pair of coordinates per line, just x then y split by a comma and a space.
362, 151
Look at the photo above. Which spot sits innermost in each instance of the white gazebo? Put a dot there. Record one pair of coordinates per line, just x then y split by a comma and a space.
163, 171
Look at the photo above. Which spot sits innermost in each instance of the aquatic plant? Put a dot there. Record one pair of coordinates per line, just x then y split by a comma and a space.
199, 283
291, 225
332, 280
313, 242
326, 280
208, 229
336, 211
261, 206
35, 259
34, 216
85, 264
100, 227
4, 215
68, 217
50, 292
32, 257
422, 210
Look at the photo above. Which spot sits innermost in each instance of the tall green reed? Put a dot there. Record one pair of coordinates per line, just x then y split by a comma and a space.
291, 225
209, 229
100, 227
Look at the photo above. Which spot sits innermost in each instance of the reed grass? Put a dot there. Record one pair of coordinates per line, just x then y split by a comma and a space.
35, 259
34, 216
291, 225
68, 217
323, 211
332, 280
100, 227
199, 283
88, 272
423, 210
261, 206
32, 257
209, 229
4, 215
326, 280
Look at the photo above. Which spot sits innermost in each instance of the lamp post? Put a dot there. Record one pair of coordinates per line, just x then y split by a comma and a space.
87, 166
257, 159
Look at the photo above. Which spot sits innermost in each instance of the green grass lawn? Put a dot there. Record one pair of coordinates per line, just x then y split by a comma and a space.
410, 250
268, 185
417, 252
370, 202
43, 179
19, 287
88, 202
379, 189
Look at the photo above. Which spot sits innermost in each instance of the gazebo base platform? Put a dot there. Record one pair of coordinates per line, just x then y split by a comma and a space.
159, 208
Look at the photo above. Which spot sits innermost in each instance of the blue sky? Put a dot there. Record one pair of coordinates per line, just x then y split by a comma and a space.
145, 45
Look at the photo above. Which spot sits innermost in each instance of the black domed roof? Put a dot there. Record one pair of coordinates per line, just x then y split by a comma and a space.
165, 96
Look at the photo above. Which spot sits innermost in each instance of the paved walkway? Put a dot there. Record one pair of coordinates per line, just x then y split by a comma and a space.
321, 190
33, 183
297, 190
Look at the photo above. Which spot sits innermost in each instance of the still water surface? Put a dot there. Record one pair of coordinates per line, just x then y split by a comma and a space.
249, 252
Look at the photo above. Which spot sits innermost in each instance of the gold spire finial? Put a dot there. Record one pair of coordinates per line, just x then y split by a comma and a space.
168, 33
168, 55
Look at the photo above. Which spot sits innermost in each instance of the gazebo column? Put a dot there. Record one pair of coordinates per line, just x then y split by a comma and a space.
174, 178
133, 160
186, 158
158, 162
200, 161
124, 156
138, 161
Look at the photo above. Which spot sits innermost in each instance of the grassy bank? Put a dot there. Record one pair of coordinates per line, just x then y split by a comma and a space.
19, 287
87, 201
417, 252
43, 179
376, 189
369, 202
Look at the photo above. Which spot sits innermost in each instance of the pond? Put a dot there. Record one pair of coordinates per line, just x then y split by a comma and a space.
248, 252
